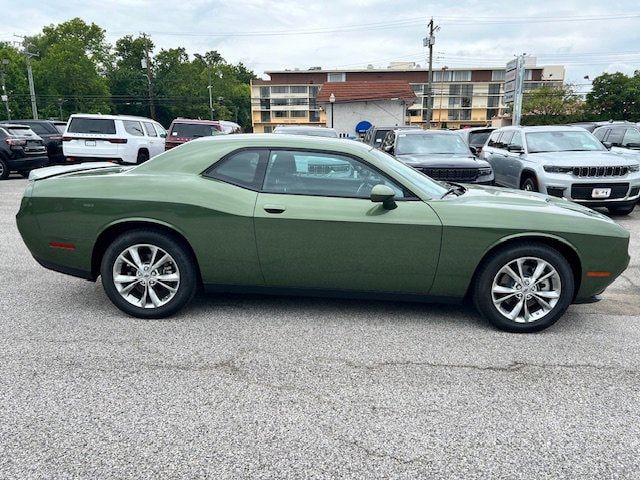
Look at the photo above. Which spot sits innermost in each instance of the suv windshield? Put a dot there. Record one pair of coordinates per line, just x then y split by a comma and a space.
433, 188
193, 130
562, 141
430, 143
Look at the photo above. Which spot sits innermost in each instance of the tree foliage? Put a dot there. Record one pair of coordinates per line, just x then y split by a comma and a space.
615, 96
76, 70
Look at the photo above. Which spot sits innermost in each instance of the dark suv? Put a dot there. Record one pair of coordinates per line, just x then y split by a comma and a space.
51, 136
21, 150
185, 129
375, 135
441, 154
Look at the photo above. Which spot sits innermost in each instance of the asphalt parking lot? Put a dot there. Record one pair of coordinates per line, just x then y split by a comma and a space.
267, 387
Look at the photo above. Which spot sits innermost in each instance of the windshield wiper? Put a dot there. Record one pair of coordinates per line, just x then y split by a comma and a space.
454, 188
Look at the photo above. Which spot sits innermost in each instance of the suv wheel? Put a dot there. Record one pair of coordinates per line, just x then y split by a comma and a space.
142, 157
4, 169
529, 184
148, 274
621, 210
524, 288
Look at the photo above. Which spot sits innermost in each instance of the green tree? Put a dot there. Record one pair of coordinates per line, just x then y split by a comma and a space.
615, 96
550, 100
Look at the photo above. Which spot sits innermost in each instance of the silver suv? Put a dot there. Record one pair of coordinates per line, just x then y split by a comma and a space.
564, 162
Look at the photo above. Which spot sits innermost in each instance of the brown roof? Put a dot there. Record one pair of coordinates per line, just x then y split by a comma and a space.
364, 91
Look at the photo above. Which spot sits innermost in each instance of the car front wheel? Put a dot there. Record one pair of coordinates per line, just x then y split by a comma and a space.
524, 288
148, 274
4, 170
529, 184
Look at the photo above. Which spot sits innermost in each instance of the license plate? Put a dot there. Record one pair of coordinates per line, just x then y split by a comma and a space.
601, 193
90, 143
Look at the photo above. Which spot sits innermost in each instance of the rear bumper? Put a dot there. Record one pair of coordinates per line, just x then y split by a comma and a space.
77, 159
74, 272
27, 163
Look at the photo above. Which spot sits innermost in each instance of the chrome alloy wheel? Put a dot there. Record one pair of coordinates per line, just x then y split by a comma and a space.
146, 276
526, 289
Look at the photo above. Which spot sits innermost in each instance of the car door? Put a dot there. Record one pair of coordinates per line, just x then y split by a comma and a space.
155, 142
496, 155
515, 161
317, 228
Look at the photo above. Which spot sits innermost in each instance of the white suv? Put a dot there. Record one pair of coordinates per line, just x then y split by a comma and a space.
115, 138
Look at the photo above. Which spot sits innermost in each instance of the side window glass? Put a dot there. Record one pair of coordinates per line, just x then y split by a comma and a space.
161, 131
516, 140
615, 136
148, 127
133, 127
506, 139
599, 133
631, 136
240, 168
322, 174
494, 139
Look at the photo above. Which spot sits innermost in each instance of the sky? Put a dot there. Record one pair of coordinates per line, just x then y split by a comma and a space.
588, 37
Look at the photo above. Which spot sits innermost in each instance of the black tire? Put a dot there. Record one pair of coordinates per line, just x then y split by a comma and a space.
143, 156
186, 267
482, 289
529, 184
24, 173
4, 169
621, 210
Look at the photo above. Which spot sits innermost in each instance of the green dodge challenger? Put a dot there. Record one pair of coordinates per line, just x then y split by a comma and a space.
316, 216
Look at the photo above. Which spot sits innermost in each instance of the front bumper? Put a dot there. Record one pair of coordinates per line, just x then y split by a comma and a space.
625, 191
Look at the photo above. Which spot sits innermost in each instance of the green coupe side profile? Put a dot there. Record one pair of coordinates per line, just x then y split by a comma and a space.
315, 216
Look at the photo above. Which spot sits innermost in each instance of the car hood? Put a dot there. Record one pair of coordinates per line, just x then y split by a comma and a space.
584, 159
442, 161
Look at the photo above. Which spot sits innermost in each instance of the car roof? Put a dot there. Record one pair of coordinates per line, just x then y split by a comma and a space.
195, 121
111, 117
14, 125
302, 127
542, 128
416, 131
398, 127
475, 129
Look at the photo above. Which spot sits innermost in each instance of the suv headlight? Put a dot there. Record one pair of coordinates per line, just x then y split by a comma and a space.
634, 168
485, 171
557, 169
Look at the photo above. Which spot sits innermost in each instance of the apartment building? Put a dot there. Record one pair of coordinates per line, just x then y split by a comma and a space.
461, 96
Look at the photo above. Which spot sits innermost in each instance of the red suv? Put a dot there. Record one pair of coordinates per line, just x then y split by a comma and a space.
184, 129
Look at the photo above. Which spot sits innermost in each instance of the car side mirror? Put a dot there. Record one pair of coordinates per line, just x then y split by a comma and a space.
607, 145
163, 135
475, 150
515, 149
384, 194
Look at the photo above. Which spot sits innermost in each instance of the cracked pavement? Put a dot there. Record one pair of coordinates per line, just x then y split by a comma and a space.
268, 387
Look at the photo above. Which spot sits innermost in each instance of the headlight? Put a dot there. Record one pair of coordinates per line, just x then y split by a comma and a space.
556, 169
634, 168
485, 171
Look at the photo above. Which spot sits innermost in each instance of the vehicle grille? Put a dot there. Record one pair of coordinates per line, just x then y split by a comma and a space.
316, 169
583, 191
452, 174
600, 171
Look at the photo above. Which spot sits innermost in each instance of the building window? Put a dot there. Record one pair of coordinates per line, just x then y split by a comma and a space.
497, 75
492, 112
418, 88
336, 77
460, 96
298, 113
460, 114
298, 89
313, 91
280, 113
268, 128
265, 104
493, 100
528, 74
314, 116
298, 101
264, 92
280, 89
279, 102
265, 117
452, 76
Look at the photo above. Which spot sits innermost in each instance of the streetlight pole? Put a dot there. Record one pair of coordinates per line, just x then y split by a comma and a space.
332, 101
209, 87
5, 97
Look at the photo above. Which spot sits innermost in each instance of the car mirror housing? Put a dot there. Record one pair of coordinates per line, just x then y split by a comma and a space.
607, 145
383, 194
515, 148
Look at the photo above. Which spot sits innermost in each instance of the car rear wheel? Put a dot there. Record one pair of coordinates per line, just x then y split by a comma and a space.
529, 184
524, 288
148, 274
621, 210
142, 157
4, 170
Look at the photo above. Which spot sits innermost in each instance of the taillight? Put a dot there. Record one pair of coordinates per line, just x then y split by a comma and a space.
117, 140
55, 137
15, 142
66, 139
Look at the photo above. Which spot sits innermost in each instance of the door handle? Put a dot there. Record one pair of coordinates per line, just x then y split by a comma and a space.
274, 208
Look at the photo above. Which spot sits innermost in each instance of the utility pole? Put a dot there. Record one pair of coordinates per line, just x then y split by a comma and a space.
210, 87
147, 64
32, 90
5, 96
429, 41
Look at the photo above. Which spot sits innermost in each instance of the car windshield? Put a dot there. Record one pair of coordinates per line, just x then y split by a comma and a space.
411, 175
193, 130
430, 143
562, 141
